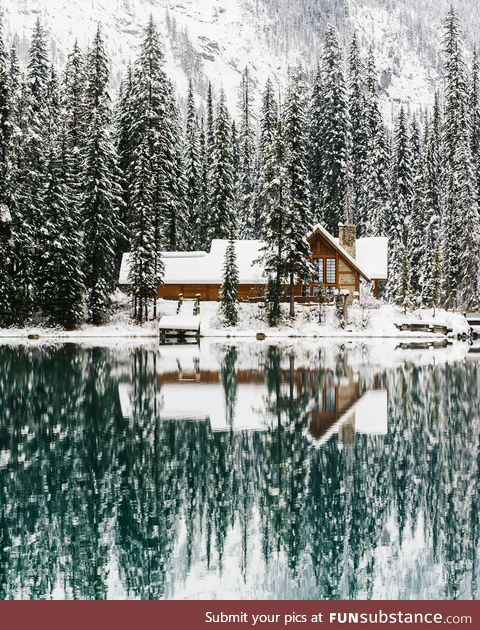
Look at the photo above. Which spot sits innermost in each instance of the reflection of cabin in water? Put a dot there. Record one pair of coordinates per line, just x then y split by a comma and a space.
343, 404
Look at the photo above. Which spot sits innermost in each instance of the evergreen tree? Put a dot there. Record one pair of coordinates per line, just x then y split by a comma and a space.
144, 275
274, 197
204, 189
192, 173
151, 106
34, 175
268, 125
228, 293
418, 222
60, 262
454, 123
5, 118
210, 127
315, 147
404, 297
474, 109
467, 210
6, 253
431, 182
400, 204
401, 180
246, 141
268, 121
125, 118
14, 69
358, 136
101, 191
221, 194
298, 220
376, 187
173, 174
434, 294
334, 134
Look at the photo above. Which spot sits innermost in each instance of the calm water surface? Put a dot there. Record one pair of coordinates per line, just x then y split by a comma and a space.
249, 470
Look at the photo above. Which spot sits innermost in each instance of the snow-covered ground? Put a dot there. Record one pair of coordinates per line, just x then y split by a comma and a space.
377, 320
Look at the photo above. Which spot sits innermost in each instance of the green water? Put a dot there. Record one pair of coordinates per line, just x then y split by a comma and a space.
248, 471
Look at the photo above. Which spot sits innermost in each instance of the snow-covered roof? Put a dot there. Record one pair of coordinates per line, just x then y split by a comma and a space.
207, 267
372, 254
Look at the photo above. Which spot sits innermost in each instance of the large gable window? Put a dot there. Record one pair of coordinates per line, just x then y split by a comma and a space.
319, 271
330, 270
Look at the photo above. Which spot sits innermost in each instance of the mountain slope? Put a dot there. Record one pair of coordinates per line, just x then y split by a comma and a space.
216, 39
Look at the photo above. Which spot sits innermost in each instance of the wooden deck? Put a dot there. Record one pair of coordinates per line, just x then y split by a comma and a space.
179, 326
424, 328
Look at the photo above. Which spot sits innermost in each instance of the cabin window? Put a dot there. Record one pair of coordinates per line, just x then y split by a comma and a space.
319, 271
331, 270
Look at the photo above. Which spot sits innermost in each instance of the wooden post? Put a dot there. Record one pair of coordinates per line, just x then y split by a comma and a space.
292, 295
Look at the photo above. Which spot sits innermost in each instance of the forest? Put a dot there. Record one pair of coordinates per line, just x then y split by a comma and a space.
86, 176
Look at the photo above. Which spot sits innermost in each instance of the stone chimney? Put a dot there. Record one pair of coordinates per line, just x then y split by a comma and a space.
347, 237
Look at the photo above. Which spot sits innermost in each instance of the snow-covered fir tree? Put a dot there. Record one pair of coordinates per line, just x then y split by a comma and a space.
275, 197
405, 294
60, 268
418, 222
267, 129
434, 294
204, 188
376, 186
150, 108
221, 193
298, 220
247, 158
431, 196
6, 251
101, 190
172, 172
334, 134
468, 222
228, 292
315, 151
454, 123
192, 174
146, 270
400, 207
358, 136
474, 111
124, 117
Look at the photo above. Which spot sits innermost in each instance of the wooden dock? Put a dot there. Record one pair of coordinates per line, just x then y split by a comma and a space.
473, 319
180, 327
422, 327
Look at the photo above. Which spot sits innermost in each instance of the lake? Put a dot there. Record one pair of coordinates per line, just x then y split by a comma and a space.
239, 470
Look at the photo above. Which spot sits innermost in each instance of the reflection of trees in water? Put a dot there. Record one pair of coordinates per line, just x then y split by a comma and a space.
81, 485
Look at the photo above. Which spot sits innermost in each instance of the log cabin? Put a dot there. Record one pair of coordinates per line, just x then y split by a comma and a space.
339, 263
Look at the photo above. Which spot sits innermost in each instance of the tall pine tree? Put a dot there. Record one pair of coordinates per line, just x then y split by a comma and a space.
101, 190
221, 193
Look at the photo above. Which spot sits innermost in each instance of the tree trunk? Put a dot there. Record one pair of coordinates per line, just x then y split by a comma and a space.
292, 295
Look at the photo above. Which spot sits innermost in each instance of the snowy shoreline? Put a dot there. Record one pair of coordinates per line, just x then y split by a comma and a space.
379, 321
